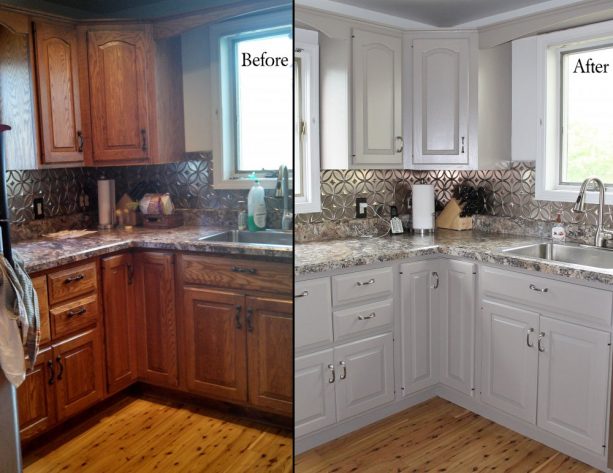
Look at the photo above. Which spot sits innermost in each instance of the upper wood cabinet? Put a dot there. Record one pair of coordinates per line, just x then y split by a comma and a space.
57, 70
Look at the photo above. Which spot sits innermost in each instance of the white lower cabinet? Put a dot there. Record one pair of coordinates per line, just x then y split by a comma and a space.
313, 313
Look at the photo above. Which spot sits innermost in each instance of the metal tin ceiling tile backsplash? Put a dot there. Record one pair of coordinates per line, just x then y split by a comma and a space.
511, 193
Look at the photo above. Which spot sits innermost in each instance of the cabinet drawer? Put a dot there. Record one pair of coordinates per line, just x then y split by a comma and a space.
577, 302
353, 287
313, 309
73, 282
238, 274
74, 316
365, 317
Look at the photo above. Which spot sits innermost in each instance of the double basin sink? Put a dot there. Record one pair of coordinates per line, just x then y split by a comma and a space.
265, 237
573, 254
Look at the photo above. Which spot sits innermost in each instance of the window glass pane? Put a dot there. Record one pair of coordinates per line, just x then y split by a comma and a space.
264, 105
587, 116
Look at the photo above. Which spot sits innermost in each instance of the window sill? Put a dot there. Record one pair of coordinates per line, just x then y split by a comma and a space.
237, 184
570, 194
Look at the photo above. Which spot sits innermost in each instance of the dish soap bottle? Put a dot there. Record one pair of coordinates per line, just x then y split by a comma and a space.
558, 232
256, 207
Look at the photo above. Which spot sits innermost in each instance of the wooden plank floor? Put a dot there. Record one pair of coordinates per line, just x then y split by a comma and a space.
142, 435
436, 436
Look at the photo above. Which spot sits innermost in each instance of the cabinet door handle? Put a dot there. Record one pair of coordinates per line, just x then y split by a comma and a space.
130, 274
372, 315
59, 362
399, 149
238, 269
530, 330
250, 319
143, 134
462, 150
344, 366
74, 313
367, 283
80, 141
304, 294
237, 317
74, 278
436, 280
332, 372
50, 366
538, 289
541, 336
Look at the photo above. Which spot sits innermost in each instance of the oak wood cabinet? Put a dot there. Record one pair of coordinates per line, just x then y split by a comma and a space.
119, 298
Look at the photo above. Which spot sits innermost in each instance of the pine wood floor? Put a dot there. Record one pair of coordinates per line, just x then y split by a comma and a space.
436, 436
141, 435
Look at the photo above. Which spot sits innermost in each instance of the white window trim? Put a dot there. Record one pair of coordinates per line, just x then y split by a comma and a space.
223, 165
548, 72
308, 41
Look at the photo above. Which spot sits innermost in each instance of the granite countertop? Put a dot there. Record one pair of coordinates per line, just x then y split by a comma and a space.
47, 253
322, 256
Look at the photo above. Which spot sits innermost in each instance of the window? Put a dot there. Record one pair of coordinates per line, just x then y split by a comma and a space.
251, 65
306, 122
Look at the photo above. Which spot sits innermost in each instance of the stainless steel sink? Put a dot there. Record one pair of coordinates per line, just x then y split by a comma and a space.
574, 254
265, 237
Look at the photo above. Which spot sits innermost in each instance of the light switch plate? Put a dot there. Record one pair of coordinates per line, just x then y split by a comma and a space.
360, 207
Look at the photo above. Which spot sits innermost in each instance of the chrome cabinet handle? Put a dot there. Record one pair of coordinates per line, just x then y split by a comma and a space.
436, 280
462, 151
367, 283
372, 315
74, 278
333, 378
80, 139
399, 138
541, 336
304, 294
237, 317
74, 313
530, 330
344, 366
537, 289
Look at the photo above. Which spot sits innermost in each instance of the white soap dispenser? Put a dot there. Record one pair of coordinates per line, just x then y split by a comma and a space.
256, 207
558, 232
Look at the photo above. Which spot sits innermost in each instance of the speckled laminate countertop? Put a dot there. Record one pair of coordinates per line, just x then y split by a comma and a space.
322, 256
47, 253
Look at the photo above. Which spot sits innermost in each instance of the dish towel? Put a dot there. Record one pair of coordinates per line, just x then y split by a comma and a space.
19, 319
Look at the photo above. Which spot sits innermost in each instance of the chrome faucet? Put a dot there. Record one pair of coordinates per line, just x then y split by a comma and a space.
287, 220
602, 235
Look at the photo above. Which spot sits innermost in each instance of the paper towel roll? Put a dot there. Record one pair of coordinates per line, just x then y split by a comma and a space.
106, 203
423, 207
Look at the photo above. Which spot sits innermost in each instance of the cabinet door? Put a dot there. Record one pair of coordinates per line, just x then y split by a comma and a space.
36, 397
40, 286
58, 83
420, 285
457, 335
377, 99
364, 375
119, 321
78, 373
440, 101
270, 351
313, 308
120, 90
315, 377
510, 359
157, 323
573, 382
215, 343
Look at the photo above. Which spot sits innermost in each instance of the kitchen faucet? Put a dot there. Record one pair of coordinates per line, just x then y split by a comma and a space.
602, 235
283, 191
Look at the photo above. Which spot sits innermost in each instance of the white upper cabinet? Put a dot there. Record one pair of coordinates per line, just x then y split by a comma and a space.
377, 100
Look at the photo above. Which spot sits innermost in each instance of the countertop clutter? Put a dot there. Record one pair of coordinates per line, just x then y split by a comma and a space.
47, 253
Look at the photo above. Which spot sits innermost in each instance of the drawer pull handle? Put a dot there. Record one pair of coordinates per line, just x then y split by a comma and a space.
59, 362
237, 317
50, 366
436, 280
332, 372
530, 330
304, 294
80, 139
74, 313
74, 278
237, 269
541, 336
372, 315
367, 283
537, 289
344, 374
250, 319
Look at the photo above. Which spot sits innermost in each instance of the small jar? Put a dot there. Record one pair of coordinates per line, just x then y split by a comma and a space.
242, 217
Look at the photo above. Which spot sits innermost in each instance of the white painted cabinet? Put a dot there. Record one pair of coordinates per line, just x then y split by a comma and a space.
509, 359
315, 406
419, 288
377, 100
573, 381
313, 313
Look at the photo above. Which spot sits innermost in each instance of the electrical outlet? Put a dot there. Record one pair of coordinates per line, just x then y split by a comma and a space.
39, 208
360, 207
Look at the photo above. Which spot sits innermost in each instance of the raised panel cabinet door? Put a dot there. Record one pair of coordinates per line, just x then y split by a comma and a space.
79, 376
509, 359
157, 322
573, 382
36, 397
58, 85
419, 319
40, 286
215, 331
457, 335
440, 101
364, 375
315, 378
119, 63
270, 353
119, 297
313, 309
377, 99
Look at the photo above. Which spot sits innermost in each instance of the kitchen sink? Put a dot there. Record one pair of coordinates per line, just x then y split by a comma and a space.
265, 237
574, 254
